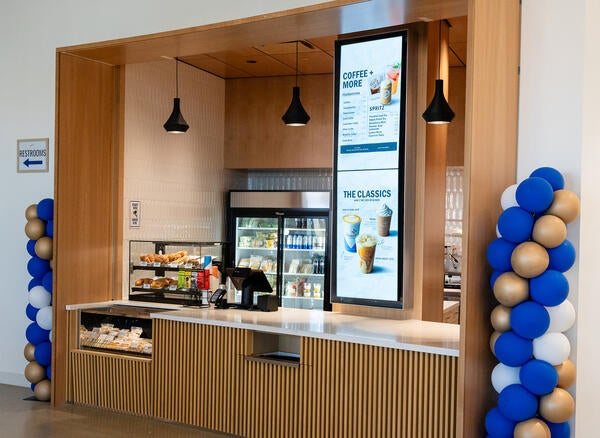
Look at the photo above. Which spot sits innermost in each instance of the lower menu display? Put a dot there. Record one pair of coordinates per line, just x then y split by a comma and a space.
367, 235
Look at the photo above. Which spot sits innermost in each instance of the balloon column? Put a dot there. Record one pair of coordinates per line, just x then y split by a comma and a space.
39, 230
529, 259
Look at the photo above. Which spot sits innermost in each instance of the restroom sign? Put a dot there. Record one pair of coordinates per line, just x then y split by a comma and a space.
32, 155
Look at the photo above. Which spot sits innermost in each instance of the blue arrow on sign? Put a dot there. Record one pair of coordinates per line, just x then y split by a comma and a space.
29, 162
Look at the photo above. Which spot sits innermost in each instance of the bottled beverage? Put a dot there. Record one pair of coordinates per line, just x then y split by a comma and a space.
310, 223
304, 241
289, 241
297, 244
303, 221
322, 265
315, 265
310, 241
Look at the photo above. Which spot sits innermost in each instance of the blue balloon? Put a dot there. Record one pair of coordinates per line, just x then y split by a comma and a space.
31, 248
43, 353
47, 281
37, 267
32, 386
35, 281
538, 377
498, 254
559, 430
550, 288
529, 319
515, 224
497, 425
31, 312
494, 277
35, 334
516, 403
534, 194
49, 372
513, 350
550, 174
562, 257
50, 228
45, 209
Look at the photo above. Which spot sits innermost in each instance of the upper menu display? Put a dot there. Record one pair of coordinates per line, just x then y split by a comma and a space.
370, 95
370, 102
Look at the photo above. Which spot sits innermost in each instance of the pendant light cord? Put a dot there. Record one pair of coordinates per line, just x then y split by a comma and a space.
440, 50
176, 77
296, 63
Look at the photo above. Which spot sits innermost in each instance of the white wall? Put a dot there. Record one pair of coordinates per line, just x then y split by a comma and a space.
558, 126
30, 32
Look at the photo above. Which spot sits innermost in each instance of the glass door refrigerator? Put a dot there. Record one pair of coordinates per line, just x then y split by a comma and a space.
286, 235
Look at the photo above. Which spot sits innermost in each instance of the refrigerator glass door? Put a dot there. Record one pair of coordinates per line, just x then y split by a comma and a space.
256, 246
303, 262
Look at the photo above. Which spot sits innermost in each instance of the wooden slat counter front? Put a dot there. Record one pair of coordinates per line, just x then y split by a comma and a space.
356, 376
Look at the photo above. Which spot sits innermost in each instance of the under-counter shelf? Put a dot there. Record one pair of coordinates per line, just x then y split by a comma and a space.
124, 330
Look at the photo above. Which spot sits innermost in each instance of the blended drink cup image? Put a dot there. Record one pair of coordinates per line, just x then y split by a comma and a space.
351, 228
384, 218
365, 247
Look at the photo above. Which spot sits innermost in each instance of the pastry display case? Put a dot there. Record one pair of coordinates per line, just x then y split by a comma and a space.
174, 272
117, 328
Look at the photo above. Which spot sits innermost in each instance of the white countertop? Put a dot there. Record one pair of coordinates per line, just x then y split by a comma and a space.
414, 335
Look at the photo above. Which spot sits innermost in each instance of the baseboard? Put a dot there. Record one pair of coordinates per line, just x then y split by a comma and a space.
15, 379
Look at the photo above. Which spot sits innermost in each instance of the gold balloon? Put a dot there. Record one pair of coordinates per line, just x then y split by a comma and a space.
566, 373
565, 205
500, 318
42, 390
31, 212
34, 372
493, 338
529, 259
28, 351
532, 428
35, 228
52, 264
549, 231
43, 247
510, 289
558, 406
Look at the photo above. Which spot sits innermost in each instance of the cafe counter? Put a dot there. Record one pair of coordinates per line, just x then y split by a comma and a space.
289, 373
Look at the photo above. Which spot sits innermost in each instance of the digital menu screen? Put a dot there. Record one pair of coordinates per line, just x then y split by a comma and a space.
370, 100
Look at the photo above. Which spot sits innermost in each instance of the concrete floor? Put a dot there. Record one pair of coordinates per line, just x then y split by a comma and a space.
23, 418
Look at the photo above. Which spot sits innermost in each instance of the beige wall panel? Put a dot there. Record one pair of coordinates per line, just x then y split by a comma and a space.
455, 149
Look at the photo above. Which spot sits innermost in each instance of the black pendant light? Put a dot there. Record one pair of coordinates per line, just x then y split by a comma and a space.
295, 114
176, 124
438, 111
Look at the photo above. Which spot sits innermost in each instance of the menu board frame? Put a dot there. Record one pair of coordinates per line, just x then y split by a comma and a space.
357, 162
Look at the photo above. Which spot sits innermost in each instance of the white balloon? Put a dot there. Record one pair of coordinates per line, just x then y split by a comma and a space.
44, 317
509, 198
554, 348
503, 375
562, 317
50, 335
39, 297
498, 235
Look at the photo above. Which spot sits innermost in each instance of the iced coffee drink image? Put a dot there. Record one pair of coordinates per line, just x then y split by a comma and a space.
350, 228
365, 247
384, 218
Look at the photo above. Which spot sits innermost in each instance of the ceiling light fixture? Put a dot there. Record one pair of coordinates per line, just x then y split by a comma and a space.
438, 111
176, 124
295, 114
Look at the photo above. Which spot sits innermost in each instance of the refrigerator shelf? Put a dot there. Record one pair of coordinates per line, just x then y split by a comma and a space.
260, 248
303, 229
300, 274
304, 250
258, 228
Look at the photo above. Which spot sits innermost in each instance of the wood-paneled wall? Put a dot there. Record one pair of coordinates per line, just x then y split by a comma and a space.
86, 178
490, 166
257, 138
